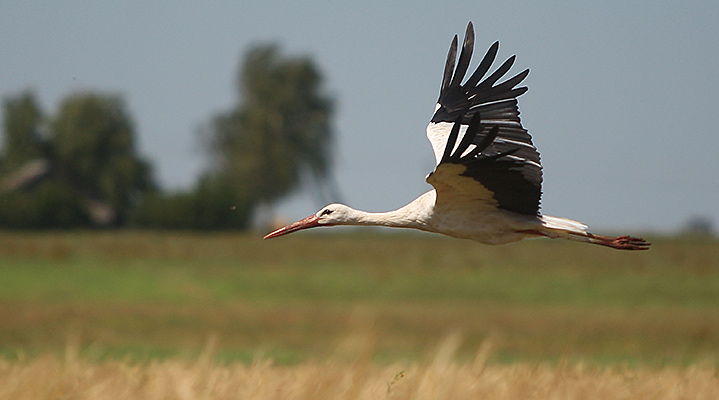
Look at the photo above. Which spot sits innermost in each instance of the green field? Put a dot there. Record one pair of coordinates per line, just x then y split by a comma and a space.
141, 295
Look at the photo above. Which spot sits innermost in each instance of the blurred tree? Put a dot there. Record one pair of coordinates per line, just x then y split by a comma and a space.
84, 170
211, 205
280, 131
93, 145
28, 199
698, 226
22, 141
49, 204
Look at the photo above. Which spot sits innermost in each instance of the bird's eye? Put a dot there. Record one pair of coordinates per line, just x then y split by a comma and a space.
326, 212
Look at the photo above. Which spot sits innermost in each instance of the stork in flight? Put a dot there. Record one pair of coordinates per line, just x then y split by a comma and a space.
487, 182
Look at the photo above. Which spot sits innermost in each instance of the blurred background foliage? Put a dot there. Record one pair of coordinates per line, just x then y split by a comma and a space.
81, 167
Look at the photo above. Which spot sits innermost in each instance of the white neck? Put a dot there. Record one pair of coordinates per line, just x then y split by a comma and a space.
414, 215
395, 219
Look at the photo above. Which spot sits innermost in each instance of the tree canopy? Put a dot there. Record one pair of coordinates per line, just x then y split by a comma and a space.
279, 132
84, 169
81, 166
22, 123
94, 145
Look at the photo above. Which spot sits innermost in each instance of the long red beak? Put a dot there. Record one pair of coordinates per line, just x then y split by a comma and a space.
309, 222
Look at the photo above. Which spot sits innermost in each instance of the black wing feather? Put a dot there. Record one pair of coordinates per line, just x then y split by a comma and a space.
484, 65
494, 77
449, 66
464, 57
504, 159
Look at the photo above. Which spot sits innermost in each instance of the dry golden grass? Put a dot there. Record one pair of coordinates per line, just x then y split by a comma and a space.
72, 377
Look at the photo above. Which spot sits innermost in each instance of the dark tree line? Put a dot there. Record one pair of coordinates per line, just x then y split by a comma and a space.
75, 169
81, 167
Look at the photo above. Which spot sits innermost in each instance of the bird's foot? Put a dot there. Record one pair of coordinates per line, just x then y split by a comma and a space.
621, 242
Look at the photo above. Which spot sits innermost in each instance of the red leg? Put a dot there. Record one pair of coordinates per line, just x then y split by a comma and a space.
620, 242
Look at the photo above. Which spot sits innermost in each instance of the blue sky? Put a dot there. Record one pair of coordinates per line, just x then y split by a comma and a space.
622, 102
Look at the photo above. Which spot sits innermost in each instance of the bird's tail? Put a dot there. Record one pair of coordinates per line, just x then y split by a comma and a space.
565, 228
564, 224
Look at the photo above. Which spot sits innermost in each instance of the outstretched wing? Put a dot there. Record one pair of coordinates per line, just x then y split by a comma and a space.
483, 153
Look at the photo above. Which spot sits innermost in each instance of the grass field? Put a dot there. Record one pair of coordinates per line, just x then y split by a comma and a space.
127, 300
73, 377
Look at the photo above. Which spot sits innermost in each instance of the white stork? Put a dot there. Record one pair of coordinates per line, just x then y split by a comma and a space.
487, 182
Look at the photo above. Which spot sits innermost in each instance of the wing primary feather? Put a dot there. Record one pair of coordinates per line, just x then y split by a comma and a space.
483, 144
492, 94
484, 65
516, 80
464, 56
502, 154
486, 140
449, 66
469, 135
497, 74
451, 140
504, 90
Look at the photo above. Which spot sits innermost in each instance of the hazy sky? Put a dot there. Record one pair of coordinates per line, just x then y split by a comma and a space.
622, 103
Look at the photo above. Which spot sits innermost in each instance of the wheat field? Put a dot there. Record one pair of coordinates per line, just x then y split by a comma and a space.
127, 315
73, 377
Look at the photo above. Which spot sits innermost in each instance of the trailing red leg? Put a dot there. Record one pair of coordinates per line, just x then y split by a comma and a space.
619, 242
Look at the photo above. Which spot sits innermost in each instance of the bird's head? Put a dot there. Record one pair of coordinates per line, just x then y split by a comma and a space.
333, 214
